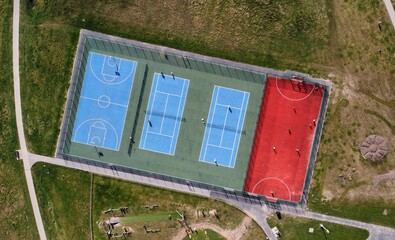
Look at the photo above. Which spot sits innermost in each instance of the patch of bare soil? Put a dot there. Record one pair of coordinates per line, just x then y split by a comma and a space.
228, 234
383, 177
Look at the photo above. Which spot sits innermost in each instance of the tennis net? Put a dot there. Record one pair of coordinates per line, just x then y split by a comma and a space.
164, 115
226, 128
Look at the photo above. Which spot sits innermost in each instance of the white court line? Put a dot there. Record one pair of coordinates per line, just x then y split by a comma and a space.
213, 145
170, 94
212, 116
154, 90
178, 111
159, 134
152, 106
132, 71
134, 66
242, 124
229, 106
156, 151
164, 112
89, 137
273, 178
223, 128
237, 127
96, 100
232, 89
75, 133
293, 99
105, 63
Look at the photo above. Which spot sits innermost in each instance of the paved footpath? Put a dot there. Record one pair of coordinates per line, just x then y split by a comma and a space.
390, 10
19, 123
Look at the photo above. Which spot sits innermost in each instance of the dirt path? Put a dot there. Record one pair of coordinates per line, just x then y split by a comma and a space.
228, 234
388, 176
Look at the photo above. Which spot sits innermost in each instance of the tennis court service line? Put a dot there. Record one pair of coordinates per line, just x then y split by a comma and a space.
224, 126
164, 114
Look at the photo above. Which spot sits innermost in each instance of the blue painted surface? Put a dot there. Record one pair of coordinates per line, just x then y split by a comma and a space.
164, 114
104, 101
224, 126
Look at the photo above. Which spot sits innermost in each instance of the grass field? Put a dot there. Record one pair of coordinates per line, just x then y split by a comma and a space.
149, 218
333, 39
298, 228
64, 202
254, 231
16, 215
65, 205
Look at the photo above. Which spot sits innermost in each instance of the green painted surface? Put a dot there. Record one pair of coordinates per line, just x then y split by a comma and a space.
185, 162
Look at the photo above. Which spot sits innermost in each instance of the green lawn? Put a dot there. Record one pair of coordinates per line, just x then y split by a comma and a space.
293, 228
63, 201
205, 234
149, 218
112, 193
366, 211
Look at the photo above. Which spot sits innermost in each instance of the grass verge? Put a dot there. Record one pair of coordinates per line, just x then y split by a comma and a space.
298, 228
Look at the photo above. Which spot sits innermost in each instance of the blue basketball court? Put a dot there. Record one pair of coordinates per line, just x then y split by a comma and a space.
164, 114
224, 126
104, 101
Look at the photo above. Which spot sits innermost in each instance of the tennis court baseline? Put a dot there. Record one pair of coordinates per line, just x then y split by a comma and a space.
224, 126
104, 101
164, 114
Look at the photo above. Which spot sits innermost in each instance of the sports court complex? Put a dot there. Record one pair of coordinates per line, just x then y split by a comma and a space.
193, 118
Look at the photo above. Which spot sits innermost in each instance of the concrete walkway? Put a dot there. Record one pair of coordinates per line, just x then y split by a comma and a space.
19, 123
257, 212
390, 10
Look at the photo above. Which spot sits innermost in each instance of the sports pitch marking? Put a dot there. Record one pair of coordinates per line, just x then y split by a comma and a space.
284, 153
276, 179
224, 126
292, 99
104, 101
164, 114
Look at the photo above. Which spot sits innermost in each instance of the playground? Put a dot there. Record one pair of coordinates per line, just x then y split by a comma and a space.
119, 223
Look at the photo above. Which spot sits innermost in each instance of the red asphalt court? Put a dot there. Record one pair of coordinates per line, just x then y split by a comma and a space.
283, 139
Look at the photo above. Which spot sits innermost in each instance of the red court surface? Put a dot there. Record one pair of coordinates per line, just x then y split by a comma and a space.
283, 140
